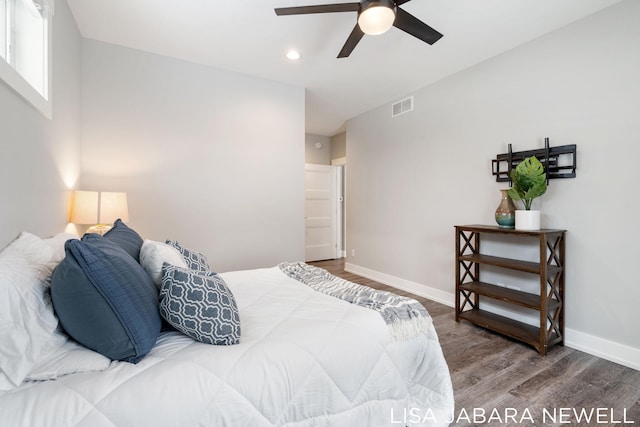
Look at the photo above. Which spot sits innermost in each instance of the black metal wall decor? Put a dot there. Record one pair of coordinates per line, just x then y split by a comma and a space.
558, 162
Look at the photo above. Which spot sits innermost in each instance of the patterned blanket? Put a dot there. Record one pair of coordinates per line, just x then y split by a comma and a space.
405, 317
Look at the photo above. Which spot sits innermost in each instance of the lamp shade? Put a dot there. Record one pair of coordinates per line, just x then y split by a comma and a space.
113, 206
84, 208
93, 207
376, 17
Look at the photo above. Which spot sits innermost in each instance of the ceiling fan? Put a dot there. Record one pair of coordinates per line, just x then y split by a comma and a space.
374, 17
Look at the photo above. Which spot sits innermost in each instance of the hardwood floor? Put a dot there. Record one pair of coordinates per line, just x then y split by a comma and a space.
490, 372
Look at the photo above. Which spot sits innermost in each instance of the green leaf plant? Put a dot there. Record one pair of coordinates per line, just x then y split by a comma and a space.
529, 181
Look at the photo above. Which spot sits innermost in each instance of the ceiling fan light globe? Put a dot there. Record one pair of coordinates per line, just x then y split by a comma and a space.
293, 55
376, 19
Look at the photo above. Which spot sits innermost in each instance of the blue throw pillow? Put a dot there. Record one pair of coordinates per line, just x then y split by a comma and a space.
200, 305
105, 300
126, 238
195, 260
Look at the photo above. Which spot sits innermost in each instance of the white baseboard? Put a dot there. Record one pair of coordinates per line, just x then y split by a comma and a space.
603, 348
596, 346
446, 298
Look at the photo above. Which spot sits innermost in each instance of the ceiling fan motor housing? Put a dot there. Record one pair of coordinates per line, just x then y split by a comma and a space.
366, 4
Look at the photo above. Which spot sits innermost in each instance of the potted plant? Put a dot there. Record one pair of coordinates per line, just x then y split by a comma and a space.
529, 181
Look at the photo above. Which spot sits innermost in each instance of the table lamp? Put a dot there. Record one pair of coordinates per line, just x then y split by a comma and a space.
100, 209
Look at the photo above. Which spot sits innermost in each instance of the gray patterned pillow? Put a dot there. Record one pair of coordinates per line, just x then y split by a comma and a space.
195, 260
200, 305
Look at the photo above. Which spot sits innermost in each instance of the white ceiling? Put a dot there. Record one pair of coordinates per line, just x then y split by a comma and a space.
246, 36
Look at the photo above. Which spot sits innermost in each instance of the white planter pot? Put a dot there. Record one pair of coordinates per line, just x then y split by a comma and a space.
527, 220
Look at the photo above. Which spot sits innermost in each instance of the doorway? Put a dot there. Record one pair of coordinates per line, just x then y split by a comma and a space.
324, 202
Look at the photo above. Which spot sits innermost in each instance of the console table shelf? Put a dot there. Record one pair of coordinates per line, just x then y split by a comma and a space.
513, 264
512, 296
512, 328
549, 302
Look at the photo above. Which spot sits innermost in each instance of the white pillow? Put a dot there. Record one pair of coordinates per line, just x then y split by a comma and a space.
56, 243
27, 320
33, 250
154, 254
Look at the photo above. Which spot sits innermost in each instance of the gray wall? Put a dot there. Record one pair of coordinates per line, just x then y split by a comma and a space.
40, 158
314, 155
214, 159
333, 147
413, 177
339, 146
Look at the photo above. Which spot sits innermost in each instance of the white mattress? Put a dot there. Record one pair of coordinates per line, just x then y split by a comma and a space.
305, 359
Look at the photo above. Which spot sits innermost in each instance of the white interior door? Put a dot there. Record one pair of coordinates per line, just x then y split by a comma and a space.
320, 212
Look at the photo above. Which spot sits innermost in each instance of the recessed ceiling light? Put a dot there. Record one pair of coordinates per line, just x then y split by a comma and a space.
293, 55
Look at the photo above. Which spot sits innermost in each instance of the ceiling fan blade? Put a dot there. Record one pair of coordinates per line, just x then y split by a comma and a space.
355, 36
399, 2
320, 8
412, 25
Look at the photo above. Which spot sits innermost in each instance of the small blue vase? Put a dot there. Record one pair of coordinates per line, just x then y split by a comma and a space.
506, 212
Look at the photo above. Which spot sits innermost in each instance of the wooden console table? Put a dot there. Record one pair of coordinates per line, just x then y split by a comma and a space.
549, 302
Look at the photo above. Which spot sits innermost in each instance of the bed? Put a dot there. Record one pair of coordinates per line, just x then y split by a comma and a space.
305, 358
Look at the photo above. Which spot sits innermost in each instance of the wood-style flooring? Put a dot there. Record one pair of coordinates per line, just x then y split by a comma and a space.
513, 382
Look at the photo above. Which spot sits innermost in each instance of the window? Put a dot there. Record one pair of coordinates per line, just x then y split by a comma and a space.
25, 41
3, 29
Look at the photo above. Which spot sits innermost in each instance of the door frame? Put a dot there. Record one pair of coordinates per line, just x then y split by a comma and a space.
341, 191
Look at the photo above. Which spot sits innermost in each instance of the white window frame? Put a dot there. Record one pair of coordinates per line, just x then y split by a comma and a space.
22, 87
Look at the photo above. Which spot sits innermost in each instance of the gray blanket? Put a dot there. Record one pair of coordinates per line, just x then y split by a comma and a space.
405, 317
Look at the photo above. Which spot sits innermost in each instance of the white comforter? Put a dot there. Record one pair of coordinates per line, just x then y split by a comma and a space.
305, 359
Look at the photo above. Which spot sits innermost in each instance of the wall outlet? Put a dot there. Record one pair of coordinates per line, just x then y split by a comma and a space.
353, 252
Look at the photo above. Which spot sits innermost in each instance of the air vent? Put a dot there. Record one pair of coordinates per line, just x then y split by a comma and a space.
402, 107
